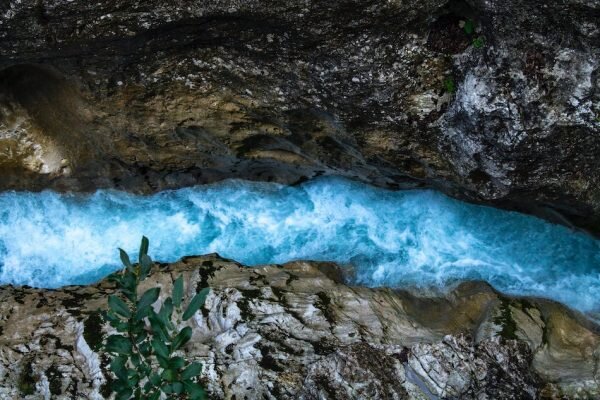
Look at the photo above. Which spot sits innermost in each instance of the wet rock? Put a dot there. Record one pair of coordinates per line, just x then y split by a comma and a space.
296, 331
494, 102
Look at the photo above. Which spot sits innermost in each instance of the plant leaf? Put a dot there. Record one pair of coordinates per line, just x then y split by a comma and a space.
195, 304
146, 264
129, 286
155, 379
125, 259
194, 390
120, 385
177, 387
155, 395
133, 378
192, 370
149, 297
118, 344
165, 314
145, 349
176, 362
169, 375
124, 394
142, 313
115, 320
158, 327
115, 277
160, 348
118, 306
144, 247
135, 360
182, 338
478, 42
178, 291
469, 26
163, 362
117, 366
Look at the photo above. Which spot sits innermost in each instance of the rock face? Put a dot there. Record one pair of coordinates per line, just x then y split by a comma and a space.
297, 332
146, 95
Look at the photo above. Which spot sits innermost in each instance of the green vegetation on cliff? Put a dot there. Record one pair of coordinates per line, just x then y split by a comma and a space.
145, 351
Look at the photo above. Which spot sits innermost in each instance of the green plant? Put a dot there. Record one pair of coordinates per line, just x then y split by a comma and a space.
478, 42
469, 27
144, 351
449, 85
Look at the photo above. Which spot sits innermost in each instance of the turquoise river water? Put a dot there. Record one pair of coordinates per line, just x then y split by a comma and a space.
391, 238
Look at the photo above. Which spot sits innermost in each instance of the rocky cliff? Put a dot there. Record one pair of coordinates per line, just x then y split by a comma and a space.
295, 331
489, 101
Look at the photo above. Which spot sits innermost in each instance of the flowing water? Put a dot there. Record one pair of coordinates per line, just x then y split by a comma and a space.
391, 238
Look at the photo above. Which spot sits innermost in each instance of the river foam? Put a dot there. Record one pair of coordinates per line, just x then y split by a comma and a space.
392, 238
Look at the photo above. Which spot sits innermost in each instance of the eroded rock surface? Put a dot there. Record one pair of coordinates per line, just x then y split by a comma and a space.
297, 332
167, 94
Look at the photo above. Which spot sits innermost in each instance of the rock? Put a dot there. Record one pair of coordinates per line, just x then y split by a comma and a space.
146, 96
296, 331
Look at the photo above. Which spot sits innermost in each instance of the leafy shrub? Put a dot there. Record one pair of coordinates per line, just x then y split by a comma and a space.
143, 351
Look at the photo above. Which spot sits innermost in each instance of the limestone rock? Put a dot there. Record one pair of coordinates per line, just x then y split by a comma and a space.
296, 331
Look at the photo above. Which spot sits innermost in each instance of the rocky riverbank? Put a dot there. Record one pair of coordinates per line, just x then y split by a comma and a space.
296, 331
148, 95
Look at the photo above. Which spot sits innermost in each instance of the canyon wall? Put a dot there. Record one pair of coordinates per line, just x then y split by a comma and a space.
494, 102
295, 331
489, 101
